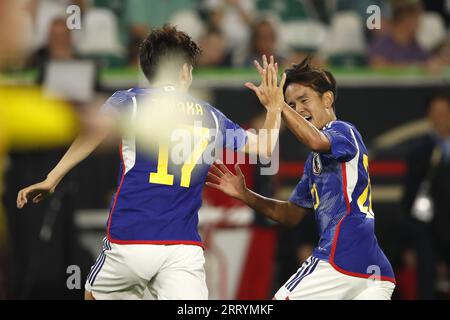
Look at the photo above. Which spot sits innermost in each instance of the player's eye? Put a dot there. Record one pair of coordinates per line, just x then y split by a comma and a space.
292, 105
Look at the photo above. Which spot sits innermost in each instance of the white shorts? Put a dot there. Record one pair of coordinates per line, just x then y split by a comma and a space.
172, 272
318, 280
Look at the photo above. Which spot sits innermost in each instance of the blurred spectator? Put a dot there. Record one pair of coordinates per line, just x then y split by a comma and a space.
406, 276
15, 34
43, 12
263, 40
214, 50
427, 190
233, 18
399, 46
138, 33
59, 47
27, 120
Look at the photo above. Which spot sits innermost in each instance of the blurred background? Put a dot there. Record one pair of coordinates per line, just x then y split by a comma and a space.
392, 64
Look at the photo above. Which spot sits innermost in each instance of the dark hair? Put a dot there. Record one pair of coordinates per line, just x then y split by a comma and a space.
168, 43
405, 8
317, 79
255, 30
440, 95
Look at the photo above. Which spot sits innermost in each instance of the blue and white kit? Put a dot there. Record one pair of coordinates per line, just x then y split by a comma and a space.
336, 185
152, 239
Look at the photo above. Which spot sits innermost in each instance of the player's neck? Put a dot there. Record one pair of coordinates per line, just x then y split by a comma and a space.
177, 86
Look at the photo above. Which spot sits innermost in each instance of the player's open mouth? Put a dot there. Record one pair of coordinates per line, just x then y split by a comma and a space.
308, 118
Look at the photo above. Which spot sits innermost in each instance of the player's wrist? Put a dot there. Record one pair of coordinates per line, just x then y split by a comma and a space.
276, 106
52, 179
245, 196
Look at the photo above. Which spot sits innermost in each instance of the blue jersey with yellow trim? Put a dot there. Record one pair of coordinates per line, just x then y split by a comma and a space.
337, 186
157, 200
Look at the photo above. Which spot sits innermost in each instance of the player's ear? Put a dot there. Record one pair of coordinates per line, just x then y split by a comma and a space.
186, 75
328, 99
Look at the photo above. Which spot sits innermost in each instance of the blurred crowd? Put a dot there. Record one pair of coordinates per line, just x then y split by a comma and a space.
233, 33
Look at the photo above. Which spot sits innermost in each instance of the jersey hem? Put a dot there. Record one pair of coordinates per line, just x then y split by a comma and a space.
158, 242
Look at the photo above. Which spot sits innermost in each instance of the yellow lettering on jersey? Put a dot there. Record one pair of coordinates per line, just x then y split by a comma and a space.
366, 194
161, 176
190, 108
315, 195
199, 109
200, 147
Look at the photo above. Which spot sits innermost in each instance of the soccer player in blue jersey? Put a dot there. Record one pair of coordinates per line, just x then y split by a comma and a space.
335, 186
152, 239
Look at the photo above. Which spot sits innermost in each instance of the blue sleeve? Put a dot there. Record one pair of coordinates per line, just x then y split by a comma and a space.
343, 143
301, 196
234, 137
117, 103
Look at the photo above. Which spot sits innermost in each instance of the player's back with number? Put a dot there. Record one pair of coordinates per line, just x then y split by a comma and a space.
160, 187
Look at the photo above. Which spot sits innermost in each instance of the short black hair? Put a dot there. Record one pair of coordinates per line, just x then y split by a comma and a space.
168, 43
319, 80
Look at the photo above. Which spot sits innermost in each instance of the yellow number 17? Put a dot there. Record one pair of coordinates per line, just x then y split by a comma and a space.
161, 176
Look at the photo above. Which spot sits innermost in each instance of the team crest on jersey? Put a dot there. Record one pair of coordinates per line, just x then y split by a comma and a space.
317, 164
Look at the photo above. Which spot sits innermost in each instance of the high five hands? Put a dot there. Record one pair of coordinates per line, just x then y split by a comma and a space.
269, 92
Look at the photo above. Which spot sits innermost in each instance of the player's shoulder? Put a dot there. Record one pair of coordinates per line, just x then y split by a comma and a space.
209, 107
340, 125
122, 97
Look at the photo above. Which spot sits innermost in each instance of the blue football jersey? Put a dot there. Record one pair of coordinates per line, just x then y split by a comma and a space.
157, 201
337, 186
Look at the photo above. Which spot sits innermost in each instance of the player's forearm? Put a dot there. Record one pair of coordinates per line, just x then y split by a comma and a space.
273, 209
80, 149
267, 136
305, 131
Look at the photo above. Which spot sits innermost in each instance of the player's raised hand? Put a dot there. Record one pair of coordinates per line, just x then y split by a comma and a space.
35, 192
221, 178
269, 93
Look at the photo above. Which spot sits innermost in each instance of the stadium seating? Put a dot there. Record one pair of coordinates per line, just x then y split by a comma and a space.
432, 30
100, 34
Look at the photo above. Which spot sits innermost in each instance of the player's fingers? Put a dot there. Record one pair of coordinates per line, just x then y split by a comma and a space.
274, 76
238, 170
264, 78
223, 167
269, 76
38, 198
19, 199
258, 67
24, 196
283, 80
212, 176
251, 86
216, 170
276, 67
272, 60
213, 185
264, 59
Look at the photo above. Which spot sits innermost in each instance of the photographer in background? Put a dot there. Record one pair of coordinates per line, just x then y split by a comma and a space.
427, 191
